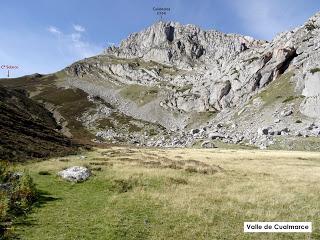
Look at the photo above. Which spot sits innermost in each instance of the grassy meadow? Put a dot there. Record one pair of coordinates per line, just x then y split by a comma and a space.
174, 194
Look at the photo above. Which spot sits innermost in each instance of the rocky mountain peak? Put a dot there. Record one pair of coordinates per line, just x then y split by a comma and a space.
184, 45
179, 76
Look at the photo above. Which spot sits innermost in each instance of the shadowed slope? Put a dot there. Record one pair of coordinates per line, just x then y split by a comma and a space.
28, 130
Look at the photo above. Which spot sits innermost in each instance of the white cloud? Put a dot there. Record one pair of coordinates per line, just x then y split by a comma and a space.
264, 18
109, 44
55, 49
22, 53
74, 43
79, 28
54, 30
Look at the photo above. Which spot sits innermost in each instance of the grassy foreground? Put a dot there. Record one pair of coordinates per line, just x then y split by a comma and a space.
175, 194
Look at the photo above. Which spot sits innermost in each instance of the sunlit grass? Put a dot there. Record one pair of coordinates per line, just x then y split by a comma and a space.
171, 194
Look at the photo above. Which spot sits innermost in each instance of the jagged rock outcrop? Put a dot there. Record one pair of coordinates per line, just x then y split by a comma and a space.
183, 46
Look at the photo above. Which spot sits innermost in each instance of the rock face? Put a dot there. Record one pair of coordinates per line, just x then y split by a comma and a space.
75, 174
183, 46
215, 65
171, 78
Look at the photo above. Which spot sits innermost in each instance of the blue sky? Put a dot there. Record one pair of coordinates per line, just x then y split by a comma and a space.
46, 35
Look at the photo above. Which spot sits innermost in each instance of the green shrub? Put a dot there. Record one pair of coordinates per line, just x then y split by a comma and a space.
289, 99
191, 169
314, 70
178, 181
4, 207
310, 26
124, 185
23, 195
16, 199
4, 173
45, 173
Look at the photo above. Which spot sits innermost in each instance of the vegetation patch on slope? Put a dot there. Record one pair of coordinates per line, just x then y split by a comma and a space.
198, 118
31, 83
139, 93
70, 103
296, 143
314, 70
278, 90
28, 130
119, 120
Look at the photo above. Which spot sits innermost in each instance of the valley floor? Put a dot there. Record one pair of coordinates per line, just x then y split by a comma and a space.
174, 194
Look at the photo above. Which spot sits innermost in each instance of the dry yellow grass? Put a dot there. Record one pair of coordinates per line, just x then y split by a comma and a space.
185, 193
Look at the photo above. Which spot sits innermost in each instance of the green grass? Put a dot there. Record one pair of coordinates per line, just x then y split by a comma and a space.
125, 208
166, 194
139, 94
296, 143
291, 98
280, 91
222, 145
314, 70
196, 119
161, 68
72, 211
281, 88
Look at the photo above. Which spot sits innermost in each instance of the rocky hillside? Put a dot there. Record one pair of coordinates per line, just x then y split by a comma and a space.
178, 85
28, 130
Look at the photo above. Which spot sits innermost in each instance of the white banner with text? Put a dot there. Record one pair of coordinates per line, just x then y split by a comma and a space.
281, 227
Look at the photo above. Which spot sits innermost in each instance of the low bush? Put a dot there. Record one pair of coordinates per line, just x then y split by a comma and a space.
289, 99
17, 194
311, 26
124, 185
4, 207
22, 195
44, 173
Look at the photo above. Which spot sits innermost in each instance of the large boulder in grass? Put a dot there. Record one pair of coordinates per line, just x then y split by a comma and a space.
75, 174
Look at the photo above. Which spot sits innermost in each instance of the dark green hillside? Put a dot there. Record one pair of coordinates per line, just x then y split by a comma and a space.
28, 130
70, 103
